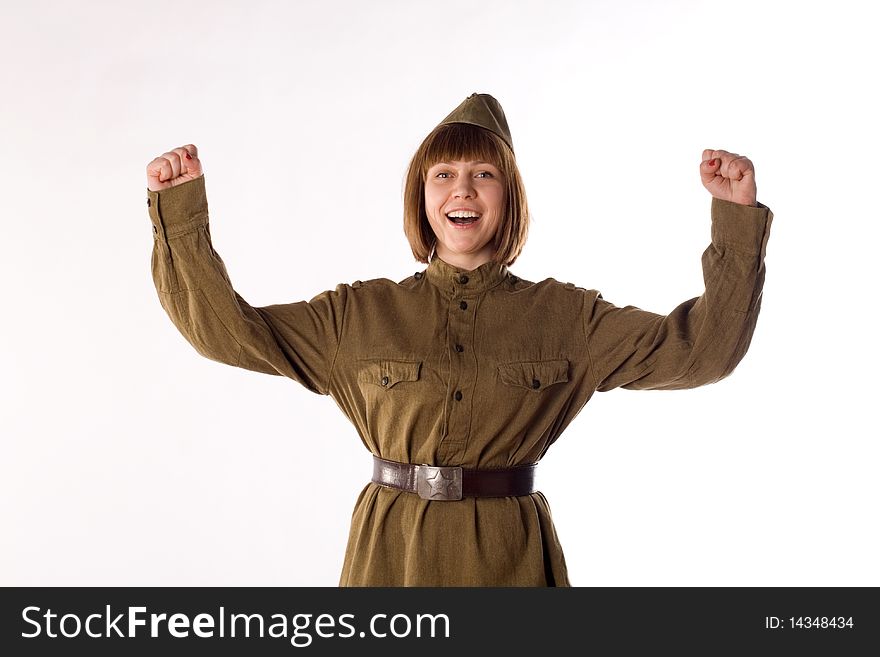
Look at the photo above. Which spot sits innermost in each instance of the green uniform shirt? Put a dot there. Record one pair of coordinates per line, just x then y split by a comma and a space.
482, 371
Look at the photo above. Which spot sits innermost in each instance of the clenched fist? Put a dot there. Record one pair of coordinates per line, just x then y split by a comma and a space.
729, 177
174, 168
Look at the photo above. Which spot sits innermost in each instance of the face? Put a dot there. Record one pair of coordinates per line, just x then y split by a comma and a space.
474, 194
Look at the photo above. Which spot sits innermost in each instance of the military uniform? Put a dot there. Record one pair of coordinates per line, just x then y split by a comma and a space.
478, 369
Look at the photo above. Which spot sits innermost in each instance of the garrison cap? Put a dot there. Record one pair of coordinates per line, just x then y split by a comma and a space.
484, 111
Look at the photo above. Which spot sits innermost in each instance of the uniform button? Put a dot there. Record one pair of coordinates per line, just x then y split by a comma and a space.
458, 395
418, 275
459, 348
463, 305
536, 384
463, 279
384, 380
148, 202
514, 279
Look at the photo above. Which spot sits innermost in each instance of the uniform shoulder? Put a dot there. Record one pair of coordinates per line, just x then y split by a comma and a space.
385, 283
571, 287
413, 280
552, 288
548, 284
368, 288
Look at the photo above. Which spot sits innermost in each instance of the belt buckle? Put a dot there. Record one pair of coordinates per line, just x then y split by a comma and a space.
438, 482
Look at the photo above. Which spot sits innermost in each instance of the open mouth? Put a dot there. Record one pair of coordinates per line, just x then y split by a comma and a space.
461, 219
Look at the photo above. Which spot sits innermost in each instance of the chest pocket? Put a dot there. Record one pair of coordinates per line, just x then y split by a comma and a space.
388, 373
534, 375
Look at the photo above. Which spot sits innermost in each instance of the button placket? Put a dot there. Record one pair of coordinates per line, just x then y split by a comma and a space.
462, 293
462, 279
462, 377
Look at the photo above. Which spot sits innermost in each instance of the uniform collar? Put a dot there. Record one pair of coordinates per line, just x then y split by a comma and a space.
456, 282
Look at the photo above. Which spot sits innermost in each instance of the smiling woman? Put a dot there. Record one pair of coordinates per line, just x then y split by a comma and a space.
465, 165
464, 202
459, 378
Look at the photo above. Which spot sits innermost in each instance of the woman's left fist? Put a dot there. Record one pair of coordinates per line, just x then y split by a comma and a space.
729, 177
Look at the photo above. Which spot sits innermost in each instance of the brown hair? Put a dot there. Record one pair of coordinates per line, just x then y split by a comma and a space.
463, 141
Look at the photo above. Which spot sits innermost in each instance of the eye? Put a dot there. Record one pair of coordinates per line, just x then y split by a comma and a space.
442, 174
485, 174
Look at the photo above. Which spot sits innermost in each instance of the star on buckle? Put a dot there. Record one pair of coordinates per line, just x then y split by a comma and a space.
439, 483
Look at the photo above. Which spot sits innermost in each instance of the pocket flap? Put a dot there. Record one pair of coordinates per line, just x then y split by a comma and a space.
388, 373
534, 375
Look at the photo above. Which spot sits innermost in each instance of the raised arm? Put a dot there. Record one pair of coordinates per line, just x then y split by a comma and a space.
297, 340
703, 339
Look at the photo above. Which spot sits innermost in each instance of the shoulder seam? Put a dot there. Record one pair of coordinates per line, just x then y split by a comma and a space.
338, 343
593, 373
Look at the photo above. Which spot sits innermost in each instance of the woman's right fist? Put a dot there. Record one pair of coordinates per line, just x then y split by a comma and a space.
174, 168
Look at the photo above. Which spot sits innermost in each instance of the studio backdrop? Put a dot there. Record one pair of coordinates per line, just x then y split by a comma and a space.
129, 459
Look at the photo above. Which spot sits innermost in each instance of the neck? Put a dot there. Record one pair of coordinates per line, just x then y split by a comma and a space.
464, 261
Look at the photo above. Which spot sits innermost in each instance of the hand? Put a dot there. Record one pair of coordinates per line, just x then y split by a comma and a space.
729, 177
174, 168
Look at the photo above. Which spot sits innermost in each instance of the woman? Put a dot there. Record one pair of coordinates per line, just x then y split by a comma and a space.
459, 378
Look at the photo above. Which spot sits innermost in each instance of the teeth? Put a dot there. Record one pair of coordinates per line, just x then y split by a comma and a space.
463, 214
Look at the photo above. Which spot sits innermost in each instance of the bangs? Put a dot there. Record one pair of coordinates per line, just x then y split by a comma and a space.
464, 142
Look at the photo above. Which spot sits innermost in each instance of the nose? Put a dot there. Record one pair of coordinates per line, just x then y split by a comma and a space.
463, 188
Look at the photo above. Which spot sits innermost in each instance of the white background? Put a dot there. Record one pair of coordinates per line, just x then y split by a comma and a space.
128, 459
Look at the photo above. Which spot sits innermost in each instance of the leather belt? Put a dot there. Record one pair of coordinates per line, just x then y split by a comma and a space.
444, 483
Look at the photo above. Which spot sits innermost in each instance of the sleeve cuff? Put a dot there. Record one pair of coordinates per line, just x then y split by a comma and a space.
177, 209
741, 227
